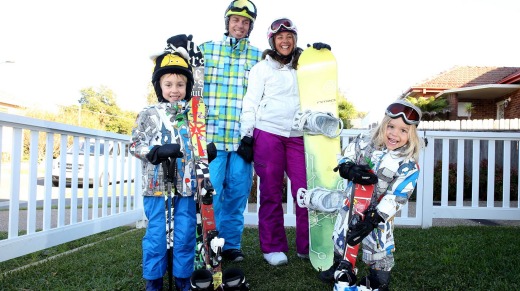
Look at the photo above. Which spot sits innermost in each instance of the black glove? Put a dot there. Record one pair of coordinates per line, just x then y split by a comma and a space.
245, 149
212, 151
359, 231
320, 45
357, 174
180, 40
159, 154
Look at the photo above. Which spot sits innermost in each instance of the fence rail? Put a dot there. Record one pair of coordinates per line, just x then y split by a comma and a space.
472, 124
454, 182
41, 215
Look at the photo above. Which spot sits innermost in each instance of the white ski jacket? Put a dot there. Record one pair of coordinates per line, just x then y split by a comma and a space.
271, 100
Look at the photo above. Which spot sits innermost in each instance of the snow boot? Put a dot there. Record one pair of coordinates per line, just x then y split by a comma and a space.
153, 285
376, 280
320, 199
344, 276
327, 276
182, 284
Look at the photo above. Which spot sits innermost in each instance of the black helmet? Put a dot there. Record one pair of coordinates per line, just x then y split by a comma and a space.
171, 63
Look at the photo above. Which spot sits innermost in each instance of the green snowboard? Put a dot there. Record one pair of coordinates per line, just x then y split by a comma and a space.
317, 82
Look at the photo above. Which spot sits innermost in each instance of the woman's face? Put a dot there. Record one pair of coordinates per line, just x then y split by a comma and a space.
173, 87
284, 43
397, 133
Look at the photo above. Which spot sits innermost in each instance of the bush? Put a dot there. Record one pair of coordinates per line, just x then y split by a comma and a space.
467, 184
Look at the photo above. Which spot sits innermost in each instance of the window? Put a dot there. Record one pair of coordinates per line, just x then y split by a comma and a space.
462, 109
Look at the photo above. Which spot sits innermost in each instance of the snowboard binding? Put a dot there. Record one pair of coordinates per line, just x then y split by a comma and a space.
201, 280
315, 122
234, 279
320, 199
345, 275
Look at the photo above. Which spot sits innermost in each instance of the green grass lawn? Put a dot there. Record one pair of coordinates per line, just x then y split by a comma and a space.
438, 258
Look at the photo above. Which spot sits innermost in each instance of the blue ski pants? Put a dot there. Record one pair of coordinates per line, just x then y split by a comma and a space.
231, 177
154, 240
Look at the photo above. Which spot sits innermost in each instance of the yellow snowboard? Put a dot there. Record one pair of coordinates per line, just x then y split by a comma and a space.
317, 82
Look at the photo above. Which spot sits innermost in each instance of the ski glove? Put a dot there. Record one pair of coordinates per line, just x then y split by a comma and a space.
363, 228
359, 174
245, 149
159, 154
180, 40
212, 151
321, 45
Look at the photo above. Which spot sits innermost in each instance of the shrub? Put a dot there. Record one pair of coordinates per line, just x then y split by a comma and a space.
467, 184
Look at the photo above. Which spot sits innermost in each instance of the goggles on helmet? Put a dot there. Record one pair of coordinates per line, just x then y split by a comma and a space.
238, 7
282, 24
409, 114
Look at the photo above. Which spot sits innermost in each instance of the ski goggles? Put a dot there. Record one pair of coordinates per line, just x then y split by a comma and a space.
279, 24
409, 114
240, 6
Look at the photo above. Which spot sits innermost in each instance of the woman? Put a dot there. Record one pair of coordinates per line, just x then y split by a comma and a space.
269, 107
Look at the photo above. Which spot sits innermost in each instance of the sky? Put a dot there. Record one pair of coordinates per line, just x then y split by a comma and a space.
382, 47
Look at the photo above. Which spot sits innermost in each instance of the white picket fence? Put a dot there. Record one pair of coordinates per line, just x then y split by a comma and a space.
36, 214
471, 124
40, 216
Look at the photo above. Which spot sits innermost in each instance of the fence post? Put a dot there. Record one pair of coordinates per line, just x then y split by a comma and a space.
425, 209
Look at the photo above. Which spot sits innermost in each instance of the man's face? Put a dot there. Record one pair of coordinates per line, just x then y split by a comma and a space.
239, 26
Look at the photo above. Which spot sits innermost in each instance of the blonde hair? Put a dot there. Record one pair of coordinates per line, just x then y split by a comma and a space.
409, 150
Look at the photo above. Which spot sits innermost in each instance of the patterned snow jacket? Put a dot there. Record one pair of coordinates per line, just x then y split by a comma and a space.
397, 175
166, 123
226, 71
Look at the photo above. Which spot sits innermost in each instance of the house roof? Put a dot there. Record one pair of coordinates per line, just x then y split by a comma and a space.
483, 79
459, 77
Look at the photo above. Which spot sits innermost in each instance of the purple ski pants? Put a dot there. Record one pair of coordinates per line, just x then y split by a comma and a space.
275, 155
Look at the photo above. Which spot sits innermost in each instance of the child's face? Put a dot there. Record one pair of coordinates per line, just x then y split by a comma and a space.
397, 133
284, 43
238, 26
173, 87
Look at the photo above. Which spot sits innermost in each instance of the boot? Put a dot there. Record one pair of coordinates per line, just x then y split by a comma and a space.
327, 276
376, 280
154, 285
182, 284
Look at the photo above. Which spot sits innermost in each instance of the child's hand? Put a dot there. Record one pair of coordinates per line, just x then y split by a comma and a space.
363, 228
159, 154
358, 174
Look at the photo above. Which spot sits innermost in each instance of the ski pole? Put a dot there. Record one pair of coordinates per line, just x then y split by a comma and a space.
169, 178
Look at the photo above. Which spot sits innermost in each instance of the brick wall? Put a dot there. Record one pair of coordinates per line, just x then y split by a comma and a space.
513, 108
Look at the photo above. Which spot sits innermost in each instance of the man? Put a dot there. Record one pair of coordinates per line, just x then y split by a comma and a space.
227, 65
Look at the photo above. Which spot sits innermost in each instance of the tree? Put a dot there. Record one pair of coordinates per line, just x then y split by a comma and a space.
151, 98
346, 111
469, 109
432, 108
101, 104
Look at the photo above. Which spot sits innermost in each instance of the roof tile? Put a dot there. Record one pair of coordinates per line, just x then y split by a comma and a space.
465, 76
